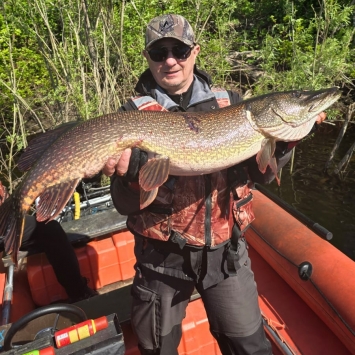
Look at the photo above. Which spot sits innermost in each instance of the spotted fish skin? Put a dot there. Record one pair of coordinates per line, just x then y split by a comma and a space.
182, 143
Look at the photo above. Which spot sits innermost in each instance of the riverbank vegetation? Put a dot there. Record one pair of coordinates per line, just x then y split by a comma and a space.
77, 59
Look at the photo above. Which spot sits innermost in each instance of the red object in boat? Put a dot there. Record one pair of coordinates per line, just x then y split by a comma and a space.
79, 331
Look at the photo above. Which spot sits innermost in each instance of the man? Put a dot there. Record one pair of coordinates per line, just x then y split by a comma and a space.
52, 239
191, 236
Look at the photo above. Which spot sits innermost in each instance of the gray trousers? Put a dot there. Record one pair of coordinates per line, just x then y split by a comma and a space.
160, 301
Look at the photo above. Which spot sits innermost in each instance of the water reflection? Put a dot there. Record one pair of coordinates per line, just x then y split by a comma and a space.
325, 199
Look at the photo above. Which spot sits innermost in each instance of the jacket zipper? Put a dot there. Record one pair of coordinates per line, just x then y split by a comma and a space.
208, 209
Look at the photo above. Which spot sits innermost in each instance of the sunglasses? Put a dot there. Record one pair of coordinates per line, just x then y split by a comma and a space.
180, 51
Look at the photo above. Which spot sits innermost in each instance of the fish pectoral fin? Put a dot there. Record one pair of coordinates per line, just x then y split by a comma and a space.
147, 197
265, 154
53, 200
154, 173
273, 166
265, 157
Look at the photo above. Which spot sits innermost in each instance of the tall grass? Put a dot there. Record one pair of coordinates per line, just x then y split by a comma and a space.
77, 59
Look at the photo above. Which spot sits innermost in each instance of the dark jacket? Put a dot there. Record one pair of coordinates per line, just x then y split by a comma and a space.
202, 99
197, 210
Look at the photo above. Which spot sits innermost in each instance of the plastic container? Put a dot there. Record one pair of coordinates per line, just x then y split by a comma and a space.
196, 336
103, 262
124, 244
43, 283
84, 263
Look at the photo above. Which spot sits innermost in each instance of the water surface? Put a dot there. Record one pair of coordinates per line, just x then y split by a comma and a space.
325, 199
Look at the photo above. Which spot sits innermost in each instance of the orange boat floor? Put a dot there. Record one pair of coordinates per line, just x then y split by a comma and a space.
294, 321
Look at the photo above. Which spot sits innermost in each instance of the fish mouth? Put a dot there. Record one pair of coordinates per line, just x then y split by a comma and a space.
288, 123
288, 133
296, 123
317, 103
322, 99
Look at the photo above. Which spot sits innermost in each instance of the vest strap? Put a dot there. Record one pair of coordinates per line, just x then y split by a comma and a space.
222, 97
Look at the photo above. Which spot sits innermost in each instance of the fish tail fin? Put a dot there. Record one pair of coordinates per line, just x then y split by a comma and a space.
12, 222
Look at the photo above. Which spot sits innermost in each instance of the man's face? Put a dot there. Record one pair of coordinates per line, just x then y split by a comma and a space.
173, 74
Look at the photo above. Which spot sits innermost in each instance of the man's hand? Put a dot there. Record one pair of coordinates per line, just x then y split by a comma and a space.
321, 117
119, 167
128, 164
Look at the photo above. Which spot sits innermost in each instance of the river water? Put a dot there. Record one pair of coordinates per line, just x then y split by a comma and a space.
327, 200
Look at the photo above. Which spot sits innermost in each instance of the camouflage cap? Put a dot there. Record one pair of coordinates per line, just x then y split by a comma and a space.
174, 26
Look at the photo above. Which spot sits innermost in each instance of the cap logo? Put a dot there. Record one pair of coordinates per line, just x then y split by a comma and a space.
166, 26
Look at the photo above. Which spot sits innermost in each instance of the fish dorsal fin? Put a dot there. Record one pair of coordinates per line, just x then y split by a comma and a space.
53, 200
265, 157
38, 145
154, 173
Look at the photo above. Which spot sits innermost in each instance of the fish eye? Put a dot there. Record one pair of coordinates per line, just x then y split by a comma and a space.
297, 94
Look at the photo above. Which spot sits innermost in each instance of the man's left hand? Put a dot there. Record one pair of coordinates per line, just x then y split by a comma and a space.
321, 117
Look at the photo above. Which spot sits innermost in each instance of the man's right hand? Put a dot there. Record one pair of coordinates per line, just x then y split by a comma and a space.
128, 165
119, 167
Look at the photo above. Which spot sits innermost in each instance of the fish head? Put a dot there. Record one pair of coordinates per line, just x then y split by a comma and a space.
290, 115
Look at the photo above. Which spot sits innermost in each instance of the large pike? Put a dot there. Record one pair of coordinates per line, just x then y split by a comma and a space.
183, 144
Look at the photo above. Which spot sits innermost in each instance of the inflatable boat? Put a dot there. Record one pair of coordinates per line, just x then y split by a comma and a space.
306, 291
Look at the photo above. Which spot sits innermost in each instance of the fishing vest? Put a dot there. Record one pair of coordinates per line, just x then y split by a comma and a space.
169, 216
147, 103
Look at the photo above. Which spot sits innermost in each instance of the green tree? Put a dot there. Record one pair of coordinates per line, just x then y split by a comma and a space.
77, 59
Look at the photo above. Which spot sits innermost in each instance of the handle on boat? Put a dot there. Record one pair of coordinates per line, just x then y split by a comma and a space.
315, 227
39, 312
